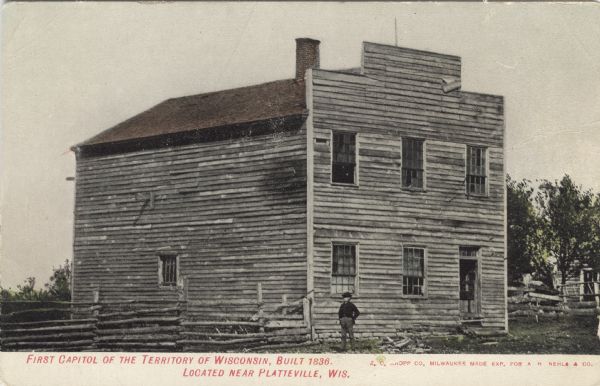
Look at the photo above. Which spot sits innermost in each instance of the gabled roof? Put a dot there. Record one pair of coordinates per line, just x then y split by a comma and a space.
265, 101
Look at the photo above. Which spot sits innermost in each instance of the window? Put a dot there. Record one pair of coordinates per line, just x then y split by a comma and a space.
343, 270
412, 163
167, 270
343, 162
476, 170
413, 274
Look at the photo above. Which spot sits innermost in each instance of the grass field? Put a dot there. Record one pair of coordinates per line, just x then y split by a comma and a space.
563, 336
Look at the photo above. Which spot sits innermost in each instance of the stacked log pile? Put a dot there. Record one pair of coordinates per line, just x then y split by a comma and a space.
588, 308
543, 303
531, 302
581, 298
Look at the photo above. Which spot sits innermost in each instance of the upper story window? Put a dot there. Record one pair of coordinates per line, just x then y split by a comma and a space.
413, 271
412, 163
476, 179
343, 162
343, 269
167, 270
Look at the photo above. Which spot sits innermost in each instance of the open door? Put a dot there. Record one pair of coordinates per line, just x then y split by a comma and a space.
469, 289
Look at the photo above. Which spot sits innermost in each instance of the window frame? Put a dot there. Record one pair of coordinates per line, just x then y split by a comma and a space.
356, 245
486, 167
161, 282
425, 285
356, 160
424, 164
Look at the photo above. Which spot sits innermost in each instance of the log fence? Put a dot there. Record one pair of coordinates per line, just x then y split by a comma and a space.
574, 299
583, 291
155, 325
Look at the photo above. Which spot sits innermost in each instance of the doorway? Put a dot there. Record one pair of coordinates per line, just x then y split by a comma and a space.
469, 288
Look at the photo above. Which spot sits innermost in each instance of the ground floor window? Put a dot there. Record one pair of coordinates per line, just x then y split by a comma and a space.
413, 272
343, 269
167, 270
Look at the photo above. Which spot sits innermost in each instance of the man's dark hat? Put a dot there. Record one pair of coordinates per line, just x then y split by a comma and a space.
346, 295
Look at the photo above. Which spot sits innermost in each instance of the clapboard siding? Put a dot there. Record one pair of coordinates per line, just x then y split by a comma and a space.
236, 212
399, 94
233, 211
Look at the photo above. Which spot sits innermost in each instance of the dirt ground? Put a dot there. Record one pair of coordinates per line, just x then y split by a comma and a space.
526, 336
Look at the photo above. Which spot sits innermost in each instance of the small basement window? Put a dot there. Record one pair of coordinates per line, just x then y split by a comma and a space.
343, 161
167, 270
476, 179
343, 270
413, 273
412, 163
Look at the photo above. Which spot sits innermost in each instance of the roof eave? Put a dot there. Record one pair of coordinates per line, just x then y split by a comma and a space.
208, 134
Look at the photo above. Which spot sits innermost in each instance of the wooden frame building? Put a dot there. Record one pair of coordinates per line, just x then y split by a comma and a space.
386, 181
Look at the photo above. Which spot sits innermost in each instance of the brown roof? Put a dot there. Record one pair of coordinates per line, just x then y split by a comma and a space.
246, 104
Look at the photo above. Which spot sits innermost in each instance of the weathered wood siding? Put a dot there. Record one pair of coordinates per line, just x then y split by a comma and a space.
233, 211
400, 94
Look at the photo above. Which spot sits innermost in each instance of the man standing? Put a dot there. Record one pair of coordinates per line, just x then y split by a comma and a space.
347, 314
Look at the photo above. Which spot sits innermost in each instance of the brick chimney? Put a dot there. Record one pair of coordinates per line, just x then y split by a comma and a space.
307, 56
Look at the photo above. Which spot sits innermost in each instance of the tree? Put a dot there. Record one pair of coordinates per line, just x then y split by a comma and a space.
522, 233
25, 291
594, 260
543, 267
567, 214
59, 287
